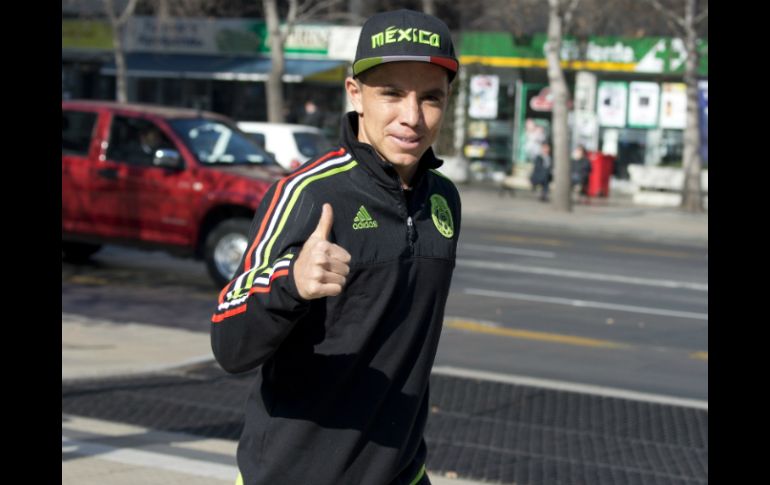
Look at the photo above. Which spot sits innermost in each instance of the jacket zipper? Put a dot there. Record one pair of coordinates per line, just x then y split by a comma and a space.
409, 222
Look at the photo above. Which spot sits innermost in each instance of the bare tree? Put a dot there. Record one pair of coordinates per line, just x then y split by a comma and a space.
297, 12
559, 18
686, 25
118, 22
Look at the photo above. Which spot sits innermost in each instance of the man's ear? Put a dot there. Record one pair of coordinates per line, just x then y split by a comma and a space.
353, 88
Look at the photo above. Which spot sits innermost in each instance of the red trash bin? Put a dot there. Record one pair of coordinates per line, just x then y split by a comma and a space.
601, 170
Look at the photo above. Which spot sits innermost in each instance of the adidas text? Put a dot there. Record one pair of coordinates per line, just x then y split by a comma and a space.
365, 225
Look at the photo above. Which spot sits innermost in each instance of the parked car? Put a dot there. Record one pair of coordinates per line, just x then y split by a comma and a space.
292, 145
181, 180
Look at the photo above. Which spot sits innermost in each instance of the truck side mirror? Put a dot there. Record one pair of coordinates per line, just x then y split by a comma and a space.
168, 158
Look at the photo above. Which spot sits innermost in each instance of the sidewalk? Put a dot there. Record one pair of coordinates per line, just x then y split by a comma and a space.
614, 216
96, 452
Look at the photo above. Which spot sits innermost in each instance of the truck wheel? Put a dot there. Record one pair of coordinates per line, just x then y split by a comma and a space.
224, 249
78, 252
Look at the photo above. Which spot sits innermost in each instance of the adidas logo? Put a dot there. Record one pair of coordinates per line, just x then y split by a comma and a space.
363, 220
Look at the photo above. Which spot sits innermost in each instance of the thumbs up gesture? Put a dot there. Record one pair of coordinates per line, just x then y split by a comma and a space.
321, 267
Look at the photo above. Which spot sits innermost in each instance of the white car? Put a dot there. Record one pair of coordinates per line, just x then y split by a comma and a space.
292, 145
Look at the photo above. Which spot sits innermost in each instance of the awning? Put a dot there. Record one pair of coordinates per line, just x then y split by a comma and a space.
225, 68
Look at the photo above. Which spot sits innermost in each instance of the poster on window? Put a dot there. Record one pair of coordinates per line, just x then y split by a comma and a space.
703, 98
611, 104
643, 101
585, 91
484, 93
673, 106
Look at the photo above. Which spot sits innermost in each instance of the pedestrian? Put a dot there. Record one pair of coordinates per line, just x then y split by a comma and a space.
580, 171
311, 115
340, 295
542, 173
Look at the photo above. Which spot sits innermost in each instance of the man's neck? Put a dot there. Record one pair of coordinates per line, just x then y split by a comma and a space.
406, 175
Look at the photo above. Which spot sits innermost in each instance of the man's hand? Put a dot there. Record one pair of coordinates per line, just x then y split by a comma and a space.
321, 267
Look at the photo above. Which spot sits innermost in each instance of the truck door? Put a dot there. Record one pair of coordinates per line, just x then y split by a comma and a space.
150, 203
79, 148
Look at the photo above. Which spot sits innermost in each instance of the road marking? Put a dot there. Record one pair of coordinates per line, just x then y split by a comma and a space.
527, 240
149, 459
520, 268
506, 250
570, 387
586, 304
87, 280
649, 252
530, 335
700, 356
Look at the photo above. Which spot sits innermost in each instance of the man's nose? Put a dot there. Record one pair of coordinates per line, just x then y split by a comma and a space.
411, 113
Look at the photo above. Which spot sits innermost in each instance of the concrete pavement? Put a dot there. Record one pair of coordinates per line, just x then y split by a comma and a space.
614, 216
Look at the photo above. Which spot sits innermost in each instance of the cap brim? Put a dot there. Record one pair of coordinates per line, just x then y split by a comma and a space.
365, 64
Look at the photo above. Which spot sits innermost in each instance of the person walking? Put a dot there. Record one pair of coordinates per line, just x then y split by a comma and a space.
340, 295
542, 173
580, 172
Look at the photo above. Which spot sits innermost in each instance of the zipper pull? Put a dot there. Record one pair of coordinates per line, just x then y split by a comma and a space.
409, 221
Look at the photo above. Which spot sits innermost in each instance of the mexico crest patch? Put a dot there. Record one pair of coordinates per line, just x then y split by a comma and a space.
442, 216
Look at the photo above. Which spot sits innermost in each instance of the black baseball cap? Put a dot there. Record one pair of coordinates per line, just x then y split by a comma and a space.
405, 35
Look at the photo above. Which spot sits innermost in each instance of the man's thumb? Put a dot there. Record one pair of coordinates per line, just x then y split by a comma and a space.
325, 223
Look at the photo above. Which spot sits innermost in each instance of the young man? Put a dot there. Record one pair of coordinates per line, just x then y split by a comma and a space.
341, 293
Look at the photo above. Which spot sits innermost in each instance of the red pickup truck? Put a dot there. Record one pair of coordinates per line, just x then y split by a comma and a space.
180, 180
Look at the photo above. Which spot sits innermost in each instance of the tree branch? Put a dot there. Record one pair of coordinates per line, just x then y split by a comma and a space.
676, 22
291, 16
308, 9
567, 16
128, 12
702, 16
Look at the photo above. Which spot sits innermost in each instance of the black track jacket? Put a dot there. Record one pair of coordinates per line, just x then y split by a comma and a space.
342, 396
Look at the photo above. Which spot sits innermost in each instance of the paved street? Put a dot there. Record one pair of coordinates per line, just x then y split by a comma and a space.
597, 311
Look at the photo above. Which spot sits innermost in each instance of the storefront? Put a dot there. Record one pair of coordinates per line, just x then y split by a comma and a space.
627, 99
219, 65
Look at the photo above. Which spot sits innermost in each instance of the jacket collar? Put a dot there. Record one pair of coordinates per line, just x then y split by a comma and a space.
381, 170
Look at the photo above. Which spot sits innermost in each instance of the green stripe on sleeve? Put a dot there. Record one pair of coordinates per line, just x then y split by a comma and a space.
293, 201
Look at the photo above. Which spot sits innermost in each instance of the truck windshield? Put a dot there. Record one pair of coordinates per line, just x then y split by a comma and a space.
214, 142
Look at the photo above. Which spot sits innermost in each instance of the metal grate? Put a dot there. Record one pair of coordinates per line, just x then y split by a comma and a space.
482, 430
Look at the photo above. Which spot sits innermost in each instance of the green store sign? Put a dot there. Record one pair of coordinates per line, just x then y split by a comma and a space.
86, 34
658, 55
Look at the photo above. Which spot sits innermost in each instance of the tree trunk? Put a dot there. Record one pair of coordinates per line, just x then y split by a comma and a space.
562, 199
429, 7
274, 86
692, 200
121, 83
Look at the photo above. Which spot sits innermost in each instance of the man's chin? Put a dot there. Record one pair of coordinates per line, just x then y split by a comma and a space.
404, 160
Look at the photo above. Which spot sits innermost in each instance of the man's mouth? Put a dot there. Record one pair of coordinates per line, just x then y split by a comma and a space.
407, 141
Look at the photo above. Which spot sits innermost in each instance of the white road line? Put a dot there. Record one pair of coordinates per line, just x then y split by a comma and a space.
508, 250
520, 268
150, 459
585, 304
569, 387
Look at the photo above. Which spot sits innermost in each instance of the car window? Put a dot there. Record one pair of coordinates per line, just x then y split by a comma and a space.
77, 127
311, 144
215, 142
134, 141
259, 138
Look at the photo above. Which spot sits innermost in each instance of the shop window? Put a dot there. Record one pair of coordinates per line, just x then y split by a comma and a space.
672, 148
147, 90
